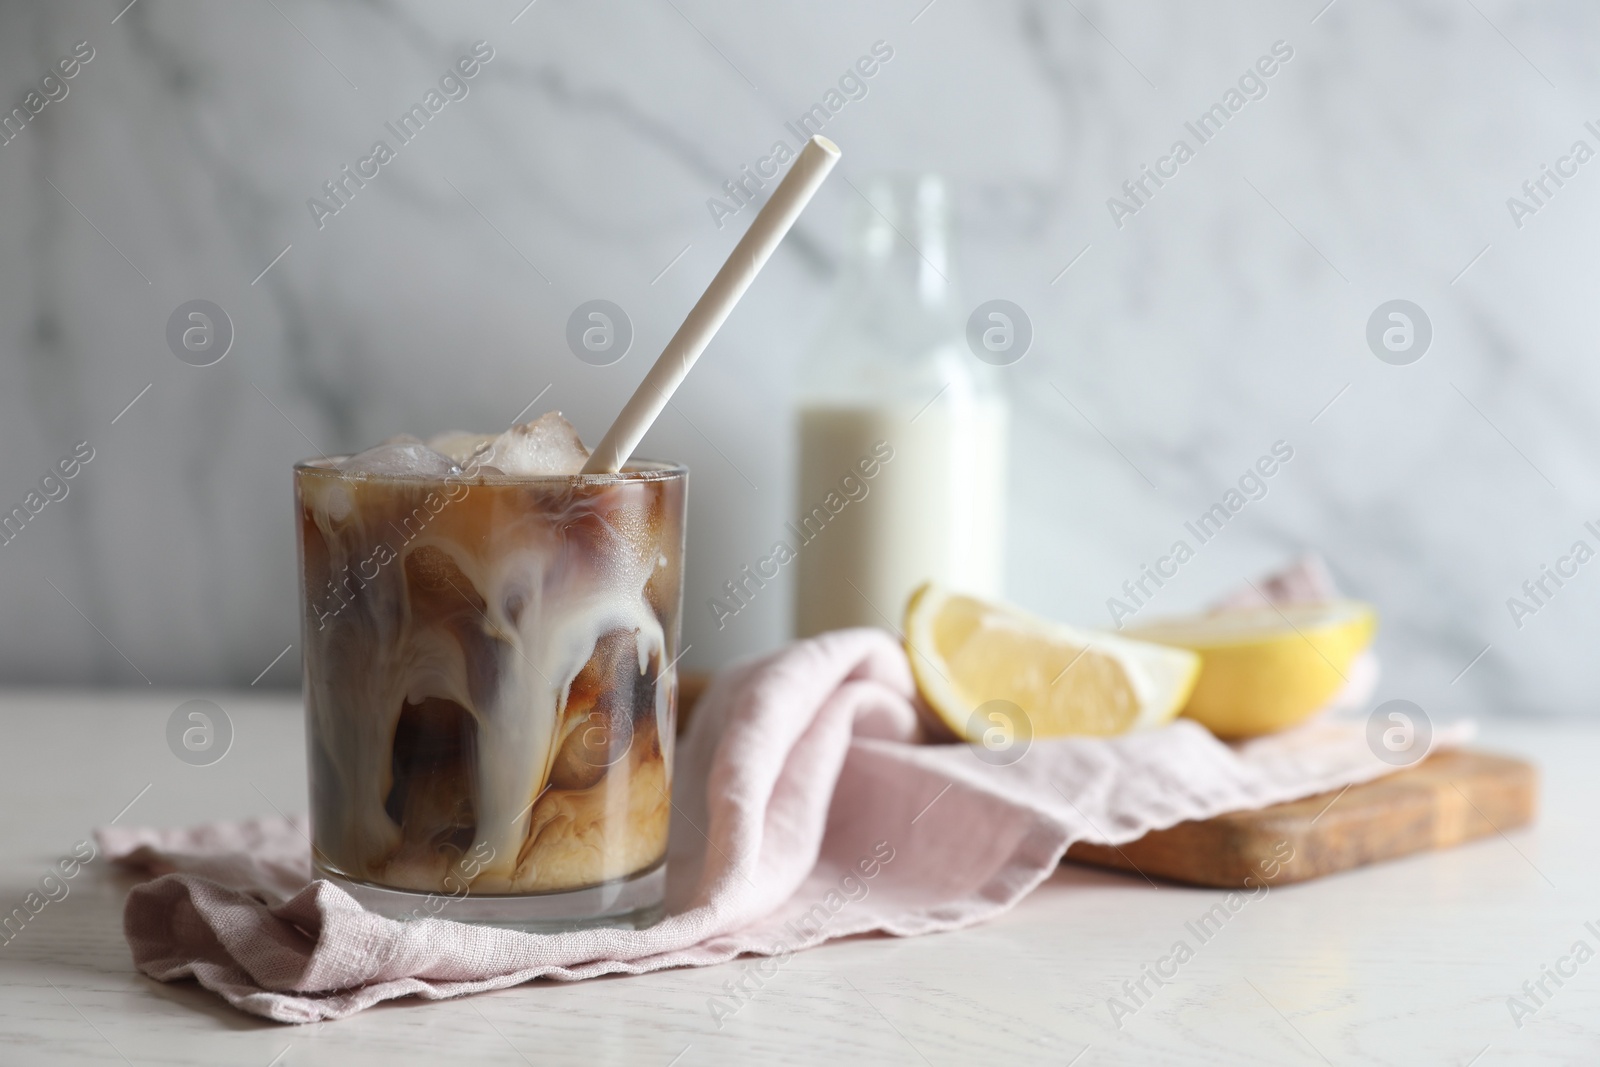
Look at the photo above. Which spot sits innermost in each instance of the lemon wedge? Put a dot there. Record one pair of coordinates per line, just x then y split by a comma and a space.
966, 652
1264, 669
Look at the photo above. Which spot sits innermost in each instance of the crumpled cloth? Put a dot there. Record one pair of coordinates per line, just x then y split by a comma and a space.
806, 807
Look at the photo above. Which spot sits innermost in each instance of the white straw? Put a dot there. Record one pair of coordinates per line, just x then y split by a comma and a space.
816, 159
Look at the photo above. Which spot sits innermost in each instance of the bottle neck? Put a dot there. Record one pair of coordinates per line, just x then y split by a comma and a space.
896, 332
898, 259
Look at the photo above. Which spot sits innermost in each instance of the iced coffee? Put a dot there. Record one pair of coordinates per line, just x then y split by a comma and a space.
490, 642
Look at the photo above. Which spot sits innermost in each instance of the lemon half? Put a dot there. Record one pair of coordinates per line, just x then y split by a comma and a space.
966, 652
1264, 669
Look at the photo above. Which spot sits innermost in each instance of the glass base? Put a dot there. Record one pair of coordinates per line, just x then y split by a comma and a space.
630, 903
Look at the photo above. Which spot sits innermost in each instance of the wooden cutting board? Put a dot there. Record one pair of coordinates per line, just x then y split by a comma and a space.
1445, 800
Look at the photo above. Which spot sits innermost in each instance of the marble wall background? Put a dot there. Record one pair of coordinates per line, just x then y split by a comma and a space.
1225, 315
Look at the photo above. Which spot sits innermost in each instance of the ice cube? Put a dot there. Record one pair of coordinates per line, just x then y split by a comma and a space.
459, 445
407, 457
547, 445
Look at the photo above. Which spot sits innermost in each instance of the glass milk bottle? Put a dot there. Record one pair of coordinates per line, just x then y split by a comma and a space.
902, 429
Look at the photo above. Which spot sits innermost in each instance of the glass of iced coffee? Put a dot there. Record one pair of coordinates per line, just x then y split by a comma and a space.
490, 640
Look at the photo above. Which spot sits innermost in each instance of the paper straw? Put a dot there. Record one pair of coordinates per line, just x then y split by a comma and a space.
816, 159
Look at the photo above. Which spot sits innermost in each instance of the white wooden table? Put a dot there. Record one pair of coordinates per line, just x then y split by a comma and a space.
1406, 963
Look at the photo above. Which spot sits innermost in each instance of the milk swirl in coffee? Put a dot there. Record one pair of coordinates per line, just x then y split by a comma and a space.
489, 644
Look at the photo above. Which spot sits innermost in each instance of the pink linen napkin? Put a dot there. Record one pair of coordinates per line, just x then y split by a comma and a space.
804, 810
